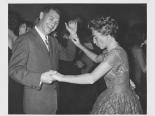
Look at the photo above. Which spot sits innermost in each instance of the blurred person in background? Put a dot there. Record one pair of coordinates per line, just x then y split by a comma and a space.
15, 90
24, 27
136, 42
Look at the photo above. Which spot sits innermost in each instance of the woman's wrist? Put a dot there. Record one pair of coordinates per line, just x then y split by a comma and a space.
59, 77
74, 35
82, 47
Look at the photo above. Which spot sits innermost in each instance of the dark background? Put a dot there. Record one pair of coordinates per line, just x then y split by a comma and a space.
126, 13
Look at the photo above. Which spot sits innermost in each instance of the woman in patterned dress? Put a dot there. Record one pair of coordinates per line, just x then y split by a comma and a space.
119, 97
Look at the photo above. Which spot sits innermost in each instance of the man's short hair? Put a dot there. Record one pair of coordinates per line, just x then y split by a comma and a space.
46, 9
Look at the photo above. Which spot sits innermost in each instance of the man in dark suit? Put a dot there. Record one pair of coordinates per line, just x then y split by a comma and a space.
34, 55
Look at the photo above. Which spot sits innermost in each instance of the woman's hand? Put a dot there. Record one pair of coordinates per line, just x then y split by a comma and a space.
75, 39
71, 26
46, 77
56, 76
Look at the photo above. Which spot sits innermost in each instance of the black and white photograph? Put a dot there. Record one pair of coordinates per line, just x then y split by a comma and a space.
77, 58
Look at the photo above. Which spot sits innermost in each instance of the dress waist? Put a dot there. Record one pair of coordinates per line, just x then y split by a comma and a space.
119, 87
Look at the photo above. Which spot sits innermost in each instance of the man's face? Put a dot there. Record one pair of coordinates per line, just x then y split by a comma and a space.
49, 21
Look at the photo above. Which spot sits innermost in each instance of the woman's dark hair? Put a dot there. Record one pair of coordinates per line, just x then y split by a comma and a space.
13, 21
104, 25
29, 24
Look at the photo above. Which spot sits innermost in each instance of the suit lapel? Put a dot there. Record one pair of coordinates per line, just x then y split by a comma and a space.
51, 45
40, 42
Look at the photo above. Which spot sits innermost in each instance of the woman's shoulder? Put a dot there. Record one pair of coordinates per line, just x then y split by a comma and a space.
117, 54
116, 51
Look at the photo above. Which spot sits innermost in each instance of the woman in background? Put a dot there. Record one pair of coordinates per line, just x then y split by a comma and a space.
136, 41
15, 90
118, 98
24, 27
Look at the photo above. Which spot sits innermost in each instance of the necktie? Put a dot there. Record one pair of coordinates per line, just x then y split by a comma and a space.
46, 42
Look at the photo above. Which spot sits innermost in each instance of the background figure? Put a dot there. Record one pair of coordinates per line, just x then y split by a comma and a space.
84, 62
24, 27
119, 97
66, 92
137, 57
89, 93
71, 94
15, 90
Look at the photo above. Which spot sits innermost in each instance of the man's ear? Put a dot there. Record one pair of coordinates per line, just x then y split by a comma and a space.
41, 15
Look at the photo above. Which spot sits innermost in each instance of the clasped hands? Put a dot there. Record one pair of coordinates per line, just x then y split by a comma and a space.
49, 76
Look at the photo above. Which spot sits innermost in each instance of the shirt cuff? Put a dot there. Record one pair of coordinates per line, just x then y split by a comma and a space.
40, 84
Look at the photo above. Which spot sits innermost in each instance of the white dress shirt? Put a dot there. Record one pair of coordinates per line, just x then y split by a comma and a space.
44, 38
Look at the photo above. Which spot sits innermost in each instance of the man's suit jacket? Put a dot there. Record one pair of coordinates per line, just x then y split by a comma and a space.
29, 60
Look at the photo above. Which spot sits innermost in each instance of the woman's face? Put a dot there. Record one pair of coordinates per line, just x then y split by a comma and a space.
99, 39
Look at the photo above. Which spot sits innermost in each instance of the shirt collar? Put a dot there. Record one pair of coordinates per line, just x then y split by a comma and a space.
41, 34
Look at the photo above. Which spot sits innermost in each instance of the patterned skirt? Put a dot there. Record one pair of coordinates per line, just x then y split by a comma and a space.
110, 102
